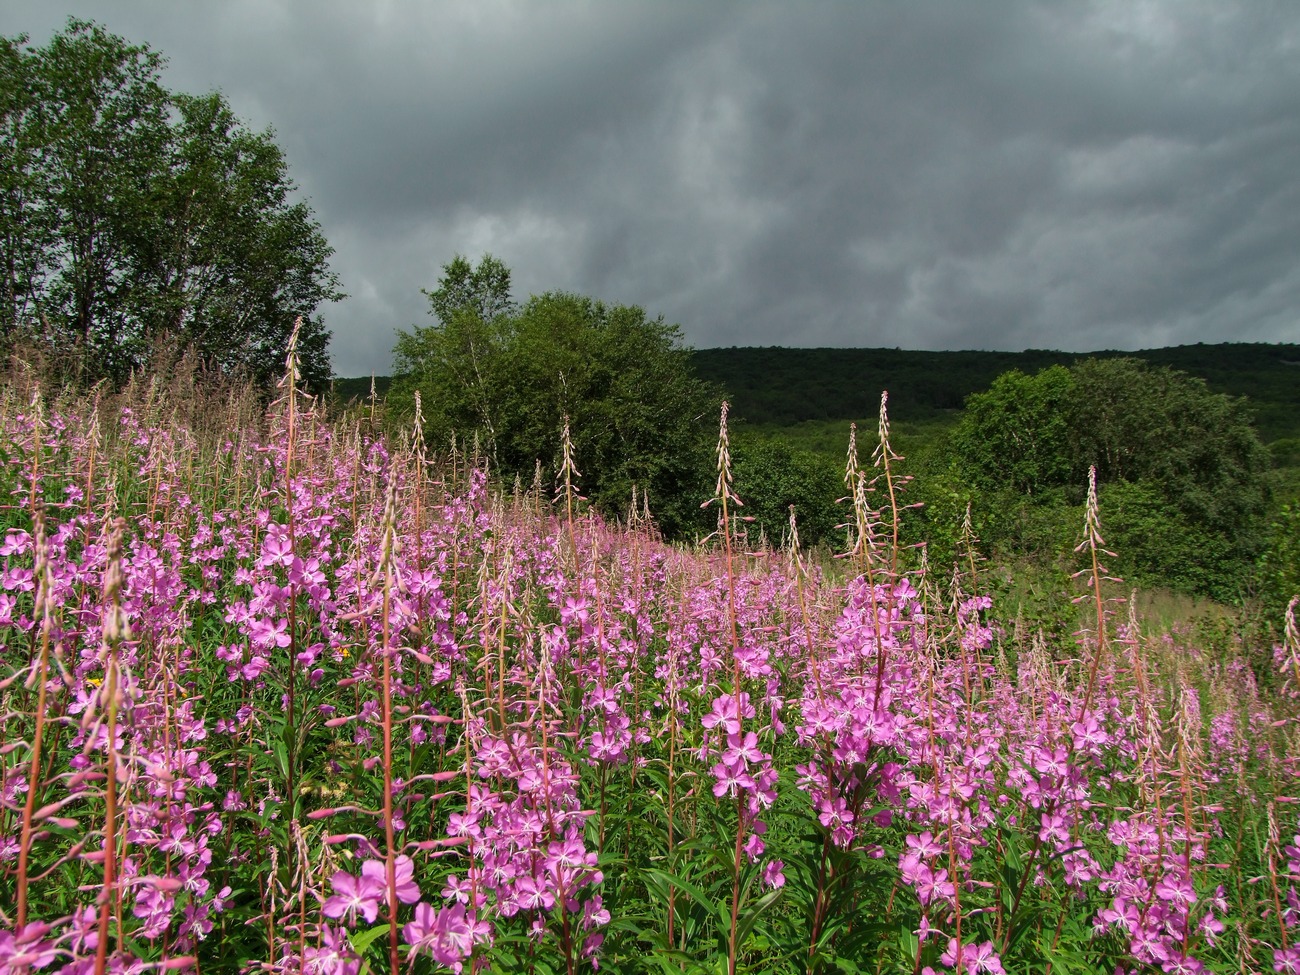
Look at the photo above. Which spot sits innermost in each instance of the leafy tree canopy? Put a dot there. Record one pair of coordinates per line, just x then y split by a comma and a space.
1016, 436
129, 214
772, 474
1182, 472
509, 374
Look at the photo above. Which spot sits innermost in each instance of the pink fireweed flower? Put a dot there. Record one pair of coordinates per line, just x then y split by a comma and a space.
575, 610
931, 884
1148, 946
458, 889
1211, 927
1054, 829
1183, 965
256, 665
730, 778
924, 845
594, 913
1176, 890
408, 892
334, 956
774, 874
910, 866
27, 949
1089, 736
464, 824
355, 895
726, 715
154, 907
1122, 914
270, 633
742, 752
448, 935
533, 895
834, 812
764, 794
17, 542
421, 932
276, 547
1054, 762
974, 958
723, 714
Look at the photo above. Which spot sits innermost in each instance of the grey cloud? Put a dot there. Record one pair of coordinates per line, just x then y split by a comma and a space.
996, 175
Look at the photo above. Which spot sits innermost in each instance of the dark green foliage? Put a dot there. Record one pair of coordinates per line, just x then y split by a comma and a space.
782, 387
344, 391
1280, 563
771, 474
1016, 436
1197, 449
1158, 547
131, 216
789, 389
1182, 475
637, 415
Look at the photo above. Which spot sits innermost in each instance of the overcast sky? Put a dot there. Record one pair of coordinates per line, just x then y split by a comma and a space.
991, 175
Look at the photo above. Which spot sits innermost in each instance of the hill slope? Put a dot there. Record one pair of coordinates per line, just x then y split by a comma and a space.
775, 386
779, 386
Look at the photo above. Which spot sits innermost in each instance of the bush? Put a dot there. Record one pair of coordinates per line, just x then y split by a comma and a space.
771, 475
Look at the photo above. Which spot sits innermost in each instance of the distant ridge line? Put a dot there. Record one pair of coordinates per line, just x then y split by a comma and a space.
783, 386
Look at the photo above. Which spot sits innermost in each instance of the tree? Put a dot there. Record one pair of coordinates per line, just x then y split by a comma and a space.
1016, 436
1198, 449
509, 375
456, 363
482, 291
771, 475
1182, 474
129, 214
1280, 562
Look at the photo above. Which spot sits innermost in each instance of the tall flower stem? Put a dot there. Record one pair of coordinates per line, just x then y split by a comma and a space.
724, 494
43, 612
291, 395
113, 632
387, 567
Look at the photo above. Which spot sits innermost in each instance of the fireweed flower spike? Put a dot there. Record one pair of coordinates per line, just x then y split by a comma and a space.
546, 742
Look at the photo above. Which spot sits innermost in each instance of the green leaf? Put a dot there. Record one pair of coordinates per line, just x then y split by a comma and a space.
746, 922
691, 891
281, 756
362, 940
908, 942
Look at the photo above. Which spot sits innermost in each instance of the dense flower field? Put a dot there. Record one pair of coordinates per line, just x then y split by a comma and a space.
280, 695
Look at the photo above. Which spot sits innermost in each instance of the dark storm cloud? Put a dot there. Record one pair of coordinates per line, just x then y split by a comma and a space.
995, 175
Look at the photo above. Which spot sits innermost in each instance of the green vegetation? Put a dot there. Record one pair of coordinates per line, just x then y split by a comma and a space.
772, 474
1185, 482
281, 694
1182, 474
777, 387
1017, 436
512, 377
132, 216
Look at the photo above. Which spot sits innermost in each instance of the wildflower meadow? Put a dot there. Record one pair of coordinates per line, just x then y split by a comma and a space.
282, 694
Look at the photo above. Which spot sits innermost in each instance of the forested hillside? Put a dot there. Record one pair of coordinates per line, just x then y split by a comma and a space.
774, 386
779, 386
